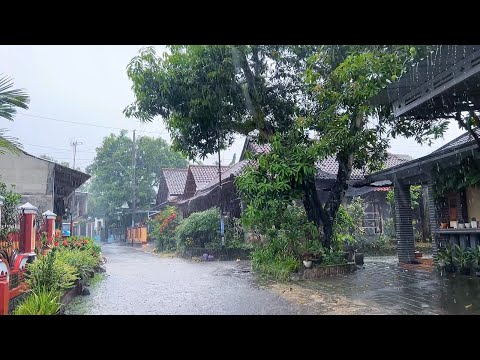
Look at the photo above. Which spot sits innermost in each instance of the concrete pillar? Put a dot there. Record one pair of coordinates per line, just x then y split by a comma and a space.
403, 222
50, 217
30, 214
434, 220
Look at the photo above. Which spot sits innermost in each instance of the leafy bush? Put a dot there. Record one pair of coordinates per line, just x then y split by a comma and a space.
334, 258
9, 210
163, 227
40, 302
82, 261
235, 235
199, 229
375, 246
348, 224
50, 274
81, 243
275, 258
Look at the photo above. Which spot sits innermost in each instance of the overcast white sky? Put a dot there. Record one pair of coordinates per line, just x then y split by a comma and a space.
89, 84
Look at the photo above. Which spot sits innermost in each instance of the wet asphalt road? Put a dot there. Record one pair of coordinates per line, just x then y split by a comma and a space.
143, 283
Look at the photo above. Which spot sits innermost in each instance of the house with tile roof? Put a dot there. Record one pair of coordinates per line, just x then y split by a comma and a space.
171, 185
208, 195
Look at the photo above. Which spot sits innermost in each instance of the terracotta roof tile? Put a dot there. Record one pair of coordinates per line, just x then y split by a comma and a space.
176, 179
203, 174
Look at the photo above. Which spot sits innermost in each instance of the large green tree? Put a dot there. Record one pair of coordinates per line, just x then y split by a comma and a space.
207, 93
10, 99
112, 172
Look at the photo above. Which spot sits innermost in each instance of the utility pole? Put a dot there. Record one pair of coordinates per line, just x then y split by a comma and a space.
74, 145
134, 163
222, 227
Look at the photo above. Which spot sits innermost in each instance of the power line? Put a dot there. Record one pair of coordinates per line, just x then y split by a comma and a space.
89, 124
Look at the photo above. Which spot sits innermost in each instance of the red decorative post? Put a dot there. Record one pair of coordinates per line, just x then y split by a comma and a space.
4, 287
50, 216
30, 213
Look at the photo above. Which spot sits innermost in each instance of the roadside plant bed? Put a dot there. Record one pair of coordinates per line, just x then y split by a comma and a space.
227, 254
327, 270
60, 274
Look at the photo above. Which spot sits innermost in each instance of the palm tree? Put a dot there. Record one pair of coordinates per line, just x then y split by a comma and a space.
9, 100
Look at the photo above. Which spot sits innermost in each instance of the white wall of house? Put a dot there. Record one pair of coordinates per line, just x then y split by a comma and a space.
32, 177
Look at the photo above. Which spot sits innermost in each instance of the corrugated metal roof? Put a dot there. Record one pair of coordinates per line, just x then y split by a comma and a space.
176, 179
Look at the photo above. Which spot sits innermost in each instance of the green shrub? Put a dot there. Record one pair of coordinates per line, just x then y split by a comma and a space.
276, 258
82, 243
40, 302
334, 258
380, 245
163, 227
50, 274
199, 229
348, 225
82, 261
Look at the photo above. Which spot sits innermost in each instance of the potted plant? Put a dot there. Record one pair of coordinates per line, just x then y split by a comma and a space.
443, 224
474, 223
461, 224
307, 259
463, 258
468, 225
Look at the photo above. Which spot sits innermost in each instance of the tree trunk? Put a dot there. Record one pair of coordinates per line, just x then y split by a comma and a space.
336, 196
311, 202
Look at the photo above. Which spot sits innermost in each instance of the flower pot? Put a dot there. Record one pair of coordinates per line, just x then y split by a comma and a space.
307, 263
454, 224
468, 225
418, 255
474, 224
444, 225
461, 225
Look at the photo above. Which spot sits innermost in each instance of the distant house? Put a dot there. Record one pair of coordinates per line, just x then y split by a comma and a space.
171, 185
44, 184
199, 176
208, 195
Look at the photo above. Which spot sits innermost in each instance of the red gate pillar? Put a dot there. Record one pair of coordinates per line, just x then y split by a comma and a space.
30, 213
50, 216
4, 287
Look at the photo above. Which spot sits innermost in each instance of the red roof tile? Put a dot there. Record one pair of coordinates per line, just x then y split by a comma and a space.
203, 174
176, 179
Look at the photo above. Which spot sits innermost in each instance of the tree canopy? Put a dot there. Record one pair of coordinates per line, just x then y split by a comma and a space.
112, 171
207, 94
